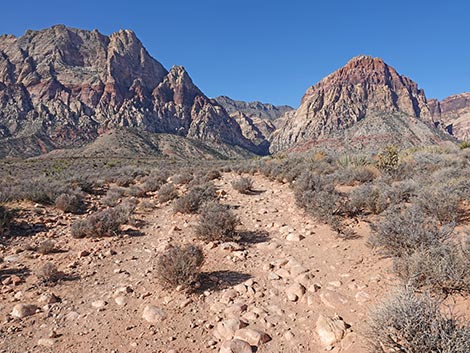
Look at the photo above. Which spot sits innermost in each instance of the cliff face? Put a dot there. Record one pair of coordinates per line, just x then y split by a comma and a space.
366, 91
63, 87
453, 113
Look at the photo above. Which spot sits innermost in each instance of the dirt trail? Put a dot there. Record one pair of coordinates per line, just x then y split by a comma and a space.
288, 271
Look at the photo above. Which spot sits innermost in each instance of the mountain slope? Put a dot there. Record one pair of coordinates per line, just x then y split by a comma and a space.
390, 108
454, 113
67, 86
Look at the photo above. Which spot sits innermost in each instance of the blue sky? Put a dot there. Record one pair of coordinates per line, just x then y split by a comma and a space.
273, 51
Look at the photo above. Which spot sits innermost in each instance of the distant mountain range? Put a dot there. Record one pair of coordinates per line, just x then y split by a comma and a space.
81, 92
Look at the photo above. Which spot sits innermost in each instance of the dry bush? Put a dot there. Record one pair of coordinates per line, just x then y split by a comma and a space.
401, 233
213, 174
48, 273
124, 181
182, 178
46, 247
135, 191
70, 203
166, 193
243, 185
412, 323
439, 202
180, 265
195, 198
113, 196
356, 175
443, 268
217, 222
103, 223
155, 180
6, 216
371, 197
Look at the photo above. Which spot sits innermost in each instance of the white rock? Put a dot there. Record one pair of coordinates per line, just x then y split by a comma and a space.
46, 342
294, 237
295, 291
23, 310
235, 346
121, 300
225, 330
252, 336
330, 330
153, 314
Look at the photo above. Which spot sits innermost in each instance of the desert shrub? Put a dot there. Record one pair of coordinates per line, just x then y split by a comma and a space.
135, 191
213, 174
182, 178
113, 196
401, 233
443, 268
124, 180
155, 180
180, 265
355, 175
46, 247
195, 198
167, 192
371, 197
6, 217
243, 185
463, 145
70, 203
388, 160
412, 323
318, 196
103, 223
216, 222
48, 273
43, 190
439, 202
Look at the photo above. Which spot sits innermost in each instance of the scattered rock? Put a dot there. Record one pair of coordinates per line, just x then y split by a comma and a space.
235, 346
252, 336
23, 310
46, 342
295, 292
330, 330
98, 304
225, 330
153, 314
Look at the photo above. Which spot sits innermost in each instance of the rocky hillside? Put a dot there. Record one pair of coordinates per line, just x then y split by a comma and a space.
362, 104
63, 87
259, 110
453, 113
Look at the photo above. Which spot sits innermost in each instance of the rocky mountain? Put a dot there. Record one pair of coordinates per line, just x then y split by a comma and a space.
265, 111
257, 120
454, 114
63, 87
362, 104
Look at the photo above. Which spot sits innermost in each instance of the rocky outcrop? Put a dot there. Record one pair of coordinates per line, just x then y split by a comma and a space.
362, 104
264, 111
65, 87
454, 114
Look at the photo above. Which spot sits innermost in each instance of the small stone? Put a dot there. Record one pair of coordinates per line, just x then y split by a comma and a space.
288, 336
83, 253
252, 336
235, 310
235, 346
362, 297
295, 292
48, 298
330, 330
98, 304
46, 342
23, 310
72, 316
225, 330
121, 300
153, 314
294, 237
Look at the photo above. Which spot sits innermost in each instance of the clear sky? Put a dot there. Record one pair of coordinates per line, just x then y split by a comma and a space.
274, 50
